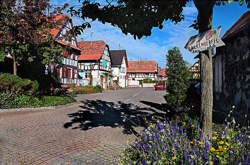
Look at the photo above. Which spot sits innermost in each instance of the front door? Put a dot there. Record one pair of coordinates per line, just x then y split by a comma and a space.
102, 81
106, 82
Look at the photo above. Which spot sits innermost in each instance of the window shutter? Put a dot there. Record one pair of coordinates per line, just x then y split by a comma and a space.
58, 72
62, 72
65, 53
72, 75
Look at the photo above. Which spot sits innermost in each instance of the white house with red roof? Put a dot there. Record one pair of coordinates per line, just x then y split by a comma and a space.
94, 64
119, 64
140, 70
231, 68
67, 71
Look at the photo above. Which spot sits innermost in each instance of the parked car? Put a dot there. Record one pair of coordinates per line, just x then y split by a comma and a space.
160, 86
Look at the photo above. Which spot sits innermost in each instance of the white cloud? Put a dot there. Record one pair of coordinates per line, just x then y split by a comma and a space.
153, 47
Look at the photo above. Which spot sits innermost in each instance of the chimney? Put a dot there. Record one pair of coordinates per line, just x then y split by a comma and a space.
81, 40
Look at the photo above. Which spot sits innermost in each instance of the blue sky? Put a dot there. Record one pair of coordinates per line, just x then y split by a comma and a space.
155, 47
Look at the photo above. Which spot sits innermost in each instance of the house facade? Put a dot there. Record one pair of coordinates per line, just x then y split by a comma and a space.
94, 64
119, 64
140, 70
231, 67
195, 70
162, 75
67, 71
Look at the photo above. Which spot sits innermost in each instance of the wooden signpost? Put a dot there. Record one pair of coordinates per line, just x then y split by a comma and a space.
205, 43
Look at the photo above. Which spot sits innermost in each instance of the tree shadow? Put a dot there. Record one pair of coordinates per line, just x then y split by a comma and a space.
95, 113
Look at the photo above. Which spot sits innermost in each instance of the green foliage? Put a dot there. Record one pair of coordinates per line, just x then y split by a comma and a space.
88, 89
13, 84
148, 80
28, 43
24, 101
178, 78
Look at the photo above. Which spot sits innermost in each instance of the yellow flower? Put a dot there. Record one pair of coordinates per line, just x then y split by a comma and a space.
211, 163
174, 157
212, 149
220, 147
215, 133
191, 142
214, 137
224, 148
152, 126
184, 123
200, 142
217, 156
221, 142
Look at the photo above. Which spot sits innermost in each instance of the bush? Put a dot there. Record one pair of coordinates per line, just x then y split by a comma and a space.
148, 80
13, 84
169, 143
89, 89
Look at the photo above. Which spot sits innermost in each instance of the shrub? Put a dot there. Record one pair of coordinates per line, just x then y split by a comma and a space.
98, 89
24, 101
8, 100
89, 89
178, 78
13, 84
169, 143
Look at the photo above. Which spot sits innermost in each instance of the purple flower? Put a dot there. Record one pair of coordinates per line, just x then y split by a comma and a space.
144, 162
197, 123
181, 129
157, 136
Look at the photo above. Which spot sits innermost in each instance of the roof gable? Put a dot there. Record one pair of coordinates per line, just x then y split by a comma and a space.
62, 20
117, 56
142, 66
91, 50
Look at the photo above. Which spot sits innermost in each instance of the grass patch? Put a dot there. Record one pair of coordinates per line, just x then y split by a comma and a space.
8, 101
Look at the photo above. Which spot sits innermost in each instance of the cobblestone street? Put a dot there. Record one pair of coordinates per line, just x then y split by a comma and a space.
92, 131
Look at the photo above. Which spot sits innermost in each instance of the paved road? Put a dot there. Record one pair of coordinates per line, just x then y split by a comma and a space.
94, 131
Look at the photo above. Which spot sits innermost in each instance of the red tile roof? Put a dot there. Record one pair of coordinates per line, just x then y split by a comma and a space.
142, 66
91, 50
60, 20
241, 22
162, 72
67, 44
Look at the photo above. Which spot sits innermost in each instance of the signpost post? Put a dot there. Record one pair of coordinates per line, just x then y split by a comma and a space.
205, 43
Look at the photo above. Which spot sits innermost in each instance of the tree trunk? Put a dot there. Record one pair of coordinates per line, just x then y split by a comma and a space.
205, 14
14, 65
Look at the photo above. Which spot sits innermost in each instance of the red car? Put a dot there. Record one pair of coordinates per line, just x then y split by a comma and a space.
160, 86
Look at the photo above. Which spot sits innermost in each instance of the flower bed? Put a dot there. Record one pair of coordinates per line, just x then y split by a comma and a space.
181, 143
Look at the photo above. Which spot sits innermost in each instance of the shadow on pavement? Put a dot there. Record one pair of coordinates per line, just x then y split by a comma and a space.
95, 113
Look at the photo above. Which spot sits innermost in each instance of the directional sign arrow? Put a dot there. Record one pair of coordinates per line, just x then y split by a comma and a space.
204, 41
